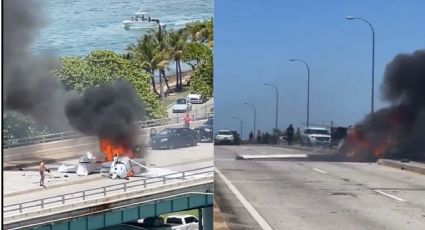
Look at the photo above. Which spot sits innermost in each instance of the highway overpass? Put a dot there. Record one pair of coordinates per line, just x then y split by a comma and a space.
115, 203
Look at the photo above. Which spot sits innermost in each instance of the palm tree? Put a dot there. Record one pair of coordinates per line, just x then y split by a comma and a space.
146, 53
162, 66
176, 41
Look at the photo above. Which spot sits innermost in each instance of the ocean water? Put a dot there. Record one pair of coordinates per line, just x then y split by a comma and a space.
78, 27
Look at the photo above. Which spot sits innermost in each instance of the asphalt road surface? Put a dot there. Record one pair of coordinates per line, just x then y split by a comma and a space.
22, 185
60, 150
303, 194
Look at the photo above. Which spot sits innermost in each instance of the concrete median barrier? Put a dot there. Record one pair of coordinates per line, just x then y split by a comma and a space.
409, 166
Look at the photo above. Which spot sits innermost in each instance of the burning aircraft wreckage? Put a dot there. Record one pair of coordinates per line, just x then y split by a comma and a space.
397, 131
31, 88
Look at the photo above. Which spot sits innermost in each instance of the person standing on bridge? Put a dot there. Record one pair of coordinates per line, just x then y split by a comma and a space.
42, 169
290, 133
187, 119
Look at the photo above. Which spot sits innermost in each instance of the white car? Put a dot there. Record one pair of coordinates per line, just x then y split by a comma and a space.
183, 222
195, 98
313, 136
224, 136
182, 105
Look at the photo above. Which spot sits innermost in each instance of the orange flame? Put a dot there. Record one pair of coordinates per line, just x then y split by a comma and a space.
110, 150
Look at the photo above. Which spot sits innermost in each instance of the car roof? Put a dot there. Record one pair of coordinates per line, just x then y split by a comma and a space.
174, 128
319, 128
180, 216
224, 130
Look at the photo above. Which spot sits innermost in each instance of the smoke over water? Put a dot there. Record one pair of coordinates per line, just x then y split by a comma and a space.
29, 84
108, 111
31, 88
402, 124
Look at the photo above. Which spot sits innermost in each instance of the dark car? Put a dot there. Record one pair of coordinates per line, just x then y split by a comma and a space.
171, 138
210, 121
205, 131
236, 137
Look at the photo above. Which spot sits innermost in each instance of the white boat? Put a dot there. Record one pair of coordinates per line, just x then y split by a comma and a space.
140, 20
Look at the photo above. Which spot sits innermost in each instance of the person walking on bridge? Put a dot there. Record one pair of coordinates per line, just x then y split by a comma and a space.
42, 169
187, 119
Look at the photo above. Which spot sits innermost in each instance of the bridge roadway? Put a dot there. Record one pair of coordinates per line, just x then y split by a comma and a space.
21, 184
314, 194
18, 157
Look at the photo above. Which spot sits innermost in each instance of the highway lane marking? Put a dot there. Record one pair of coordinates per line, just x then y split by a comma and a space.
272, 156
389, 195
257, 217
320, 171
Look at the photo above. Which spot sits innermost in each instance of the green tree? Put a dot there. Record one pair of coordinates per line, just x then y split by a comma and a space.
146, 55
104, 66
199, 55
16, 126
176, 42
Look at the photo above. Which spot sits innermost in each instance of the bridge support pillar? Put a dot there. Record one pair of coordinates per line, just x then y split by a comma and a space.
207, 218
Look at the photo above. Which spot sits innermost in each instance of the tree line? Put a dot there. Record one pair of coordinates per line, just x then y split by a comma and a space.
151, 54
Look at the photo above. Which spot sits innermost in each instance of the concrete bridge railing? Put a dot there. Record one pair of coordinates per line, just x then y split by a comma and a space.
24, 209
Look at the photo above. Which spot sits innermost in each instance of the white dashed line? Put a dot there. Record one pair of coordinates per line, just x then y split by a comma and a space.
257, 217
272, 156
389, 195
320, 171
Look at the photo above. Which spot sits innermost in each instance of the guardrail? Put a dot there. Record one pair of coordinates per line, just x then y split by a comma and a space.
73, 134
105, 190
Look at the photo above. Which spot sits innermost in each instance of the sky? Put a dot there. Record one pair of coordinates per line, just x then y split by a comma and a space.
254, 40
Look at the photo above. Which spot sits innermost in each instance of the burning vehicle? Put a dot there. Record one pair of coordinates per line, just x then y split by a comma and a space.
397, 131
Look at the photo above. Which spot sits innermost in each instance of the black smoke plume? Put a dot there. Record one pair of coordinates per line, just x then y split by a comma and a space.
29, 83
31, 88
107, 111
404, 120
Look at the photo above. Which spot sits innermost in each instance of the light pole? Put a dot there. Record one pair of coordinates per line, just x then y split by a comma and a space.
241, 125
373, 58
161, 90
255, 114
308, 87
277, 102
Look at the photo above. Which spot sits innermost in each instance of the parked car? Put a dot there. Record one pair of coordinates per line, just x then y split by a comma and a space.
313, 136
182, 105
195, 98
224, 137
205, 131
183, 222
171, 138
210, 121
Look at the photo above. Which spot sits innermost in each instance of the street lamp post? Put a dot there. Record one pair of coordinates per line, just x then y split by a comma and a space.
161, 90
373, 59
255, 114
240, 120
277, 102
308, 87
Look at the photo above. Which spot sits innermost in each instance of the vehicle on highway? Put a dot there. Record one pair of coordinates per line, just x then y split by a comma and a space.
171, 138
314, 136
224, 137
205, 131
183, 222
195, 98
236, 137
182, 105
